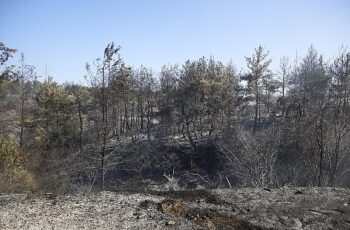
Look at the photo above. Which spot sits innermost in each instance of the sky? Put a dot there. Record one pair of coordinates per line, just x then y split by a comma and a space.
59, 37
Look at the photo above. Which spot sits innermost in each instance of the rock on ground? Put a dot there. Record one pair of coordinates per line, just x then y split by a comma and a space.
244, 208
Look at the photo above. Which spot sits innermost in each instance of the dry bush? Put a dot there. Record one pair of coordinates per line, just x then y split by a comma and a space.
251, 157
14, 177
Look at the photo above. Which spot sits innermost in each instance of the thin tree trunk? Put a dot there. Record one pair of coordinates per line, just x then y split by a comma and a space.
142, 114
81, 126
283, 89
148, 120
104, 129
320, 175
256, 112
22, 122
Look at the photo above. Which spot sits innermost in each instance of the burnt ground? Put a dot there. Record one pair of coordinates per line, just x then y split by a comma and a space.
244, 208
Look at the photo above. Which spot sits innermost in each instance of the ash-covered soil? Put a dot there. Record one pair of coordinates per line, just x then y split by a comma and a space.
244, 208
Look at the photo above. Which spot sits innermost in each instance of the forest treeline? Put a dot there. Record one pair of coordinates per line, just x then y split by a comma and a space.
267, 129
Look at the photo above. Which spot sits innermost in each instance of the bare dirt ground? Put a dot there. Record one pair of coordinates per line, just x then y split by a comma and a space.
244, 208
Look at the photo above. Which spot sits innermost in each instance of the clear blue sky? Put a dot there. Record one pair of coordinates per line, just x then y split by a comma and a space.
65, 34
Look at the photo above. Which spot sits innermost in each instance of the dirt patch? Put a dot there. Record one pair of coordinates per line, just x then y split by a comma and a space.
214, 220
206, 218
170, 206
147, 204
191, 196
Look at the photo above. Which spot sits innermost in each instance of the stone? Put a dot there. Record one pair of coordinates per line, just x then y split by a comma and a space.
171, 222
